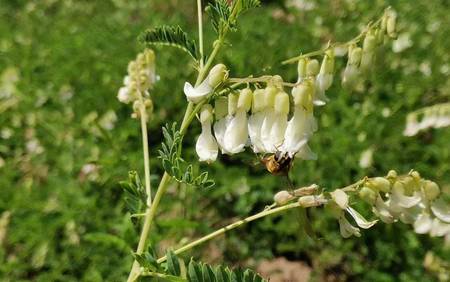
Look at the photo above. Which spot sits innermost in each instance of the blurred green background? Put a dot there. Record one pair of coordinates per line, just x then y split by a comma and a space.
66, 142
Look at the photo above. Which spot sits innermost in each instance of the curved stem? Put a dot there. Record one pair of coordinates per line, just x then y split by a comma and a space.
232, 226
354, 40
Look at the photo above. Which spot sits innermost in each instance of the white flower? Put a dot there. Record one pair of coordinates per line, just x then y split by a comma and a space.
222, 121
347, 230
196, 94
269, 119
302, 124
381, 210
256, 120
412, 125
216, 75
441, 210
206, 146
124, 95
324, 79
236, 133
279, 122
423, 224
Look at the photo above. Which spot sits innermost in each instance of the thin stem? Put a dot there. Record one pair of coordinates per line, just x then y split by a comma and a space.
354, 40
200, 30
232, 226
264, 78
143, 117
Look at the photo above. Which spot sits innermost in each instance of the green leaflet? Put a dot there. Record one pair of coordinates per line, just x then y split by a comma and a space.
170, 36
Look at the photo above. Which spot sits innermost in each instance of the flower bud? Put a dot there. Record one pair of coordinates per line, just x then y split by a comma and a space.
369, 42
206, 113
416, 175
350, 76
304, 191
379, 35
277, 81
258, 101
283, 197
245, 99
301, 68
311, 201
391, 25
232, 103
148, 103
269, 95
380, 184
137, 106
282, 103
392, 174
221, 107
368, 195
312, 67
355, 56
340, 198
431, 190
217, 75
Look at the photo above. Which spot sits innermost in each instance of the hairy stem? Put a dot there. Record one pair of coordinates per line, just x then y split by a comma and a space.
232, 226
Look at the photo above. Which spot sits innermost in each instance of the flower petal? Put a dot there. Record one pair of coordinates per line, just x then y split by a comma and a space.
254, 129
236, 134
340, 198
439, 228
196, 94
382, 211
399, 198
346, 229
206, 146
423, 224
441, 210
220, 128
360, 220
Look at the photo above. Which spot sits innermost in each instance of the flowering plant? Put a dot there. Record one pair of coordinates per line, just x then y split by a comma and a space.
260, 114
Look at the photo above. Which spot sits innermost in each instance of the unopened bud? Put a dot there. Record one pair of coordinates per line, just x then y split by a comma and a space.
206, 114
392, 174
277, 81
258, 101
282, 103
148, 103
380, 184
217, 75
369, 42
431, 190
245, 99
355, 56
350, 76
379, 35
327, 66
232, 103
311, 201
340, 198
312, 67
283, 197
368, 195
304, 191
391, 25
415, 174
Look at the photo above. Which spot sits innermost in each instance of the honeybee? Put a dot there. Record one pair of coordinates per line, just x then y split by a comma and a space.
278, 163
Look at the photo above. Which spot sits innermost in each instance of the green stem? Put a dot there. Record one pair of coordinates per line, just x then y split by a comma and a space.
231, 226
200, 30
148, 189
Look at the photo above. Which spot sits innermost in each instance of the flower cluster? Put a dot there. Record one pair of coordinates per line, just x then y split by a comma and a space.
266, 119
140, 78
360, 59
436, 116
408, 198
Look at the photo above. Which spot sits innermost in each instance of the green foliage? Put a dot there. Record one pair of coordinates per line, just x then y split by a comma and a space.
135, 195
174, 165
221, 13
170, 36
196, 271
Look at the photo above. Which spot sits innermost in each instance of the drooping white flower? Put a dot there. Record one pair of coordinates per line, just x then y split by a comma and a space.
216, 75
280, 119
423, 224
346, 228
256, 120
222, 121
439, 228
206, 146
302, 124
269, 118
325, 78
236, 134
352, 71
381, 210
